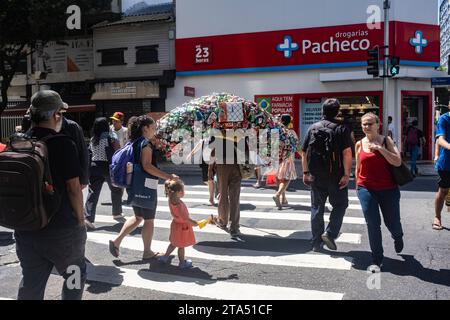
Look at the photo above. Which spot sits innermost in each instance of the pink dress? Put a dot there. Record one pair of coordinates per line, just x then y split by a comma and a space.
181, 232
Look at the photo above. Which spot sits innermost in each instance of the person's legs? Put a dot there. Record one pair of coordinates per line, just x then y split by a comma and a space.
284, 200
211, 192
371, 213
116, 196
438, 205
414, 154
181, 255
129, 227
319, 196
147, 237
339, 202
35, 269
234, 194
441, 195
389, 201
75, 272
95, 187
224, 202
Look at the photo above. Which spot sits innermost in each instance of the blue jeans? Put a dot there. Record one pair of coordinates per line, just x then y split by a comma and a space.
339, 202
40, 251
389, 203
414, 155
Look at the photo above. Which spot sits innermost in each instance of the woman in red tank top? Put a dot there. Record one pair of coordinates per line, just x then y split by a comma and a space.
375, 187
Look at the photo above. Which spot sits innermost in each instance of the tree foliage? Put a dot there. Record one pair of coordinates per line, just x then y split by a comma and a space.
24, 22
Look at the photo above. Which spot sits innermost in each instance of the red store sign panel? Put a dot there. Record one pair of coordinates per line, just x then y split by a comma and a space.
324, 47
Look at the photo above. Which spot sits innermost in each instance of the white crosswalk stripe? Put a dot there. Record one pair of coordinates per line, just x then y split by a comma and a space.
352, 238
219, 290
272, 215
197, 202
320, 261
263, 203
261, 195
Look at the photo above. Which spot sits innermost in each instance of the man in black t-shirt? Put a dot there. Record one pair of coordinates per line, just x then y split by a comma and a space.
62, 243
333, 184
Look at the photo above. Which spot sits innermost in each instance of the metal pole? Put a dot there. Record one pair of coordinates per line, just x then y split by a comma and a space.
387, 6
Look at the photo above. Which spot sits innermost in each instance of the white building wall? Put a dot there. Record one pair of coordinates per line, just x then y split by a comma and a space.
197, 18
131, 36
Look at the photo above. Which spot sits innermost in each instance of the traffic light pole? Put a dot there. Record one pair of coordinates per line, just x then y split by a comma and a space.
387, 6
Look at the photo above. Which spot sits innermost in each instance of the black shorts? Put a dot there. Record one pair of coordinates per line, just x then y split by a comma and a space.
144, 213
204, 167
444, 179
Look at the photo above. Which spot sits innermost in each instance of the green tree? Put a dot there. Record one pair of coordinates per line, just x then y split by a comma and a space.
23, 23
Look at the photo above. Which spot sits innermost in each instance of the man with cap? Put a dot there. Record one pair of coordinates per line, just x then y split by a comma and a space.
61, 244
118, 128
328, 182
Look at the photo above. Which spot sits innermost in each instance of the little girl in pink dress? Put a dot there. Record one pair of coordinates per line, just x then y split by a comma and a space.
181, 231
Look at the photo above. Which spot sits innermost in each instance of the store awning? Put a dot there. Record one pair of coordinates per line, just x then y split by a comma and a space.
126, 90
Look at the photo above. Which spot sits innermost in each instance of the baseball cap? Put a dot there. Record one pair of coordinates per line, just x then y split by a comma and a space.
118, 116
47, 100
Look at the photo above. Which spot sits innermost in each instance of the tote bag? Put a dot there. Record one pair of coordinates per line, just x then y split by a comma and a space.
144, 187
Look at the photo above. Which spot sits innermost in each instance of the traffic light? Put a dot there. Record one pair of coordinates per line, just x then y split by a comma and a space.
394, 67
374, 62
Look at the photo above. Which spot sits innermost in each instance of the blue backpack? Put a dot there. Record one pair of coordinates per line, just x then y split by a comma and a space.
120, 178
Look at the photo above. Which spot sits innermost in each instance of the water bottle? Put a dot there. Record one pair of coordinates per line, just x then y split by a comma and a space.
129, 173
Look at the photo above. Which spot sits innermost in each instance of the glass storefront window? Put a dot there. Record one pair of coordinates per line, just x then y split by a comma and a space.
353, 108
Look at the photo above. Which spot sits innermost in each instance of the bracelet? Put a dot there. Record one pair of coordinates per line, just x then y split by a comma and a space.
306, 172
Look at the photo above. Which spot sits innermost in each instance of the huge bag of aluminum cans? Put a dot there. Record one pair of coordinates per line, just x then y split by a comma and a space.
223, 111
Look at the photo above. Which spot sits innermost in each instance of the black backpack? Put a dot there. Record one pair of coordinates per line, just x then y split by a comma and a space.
28, 198
323, 153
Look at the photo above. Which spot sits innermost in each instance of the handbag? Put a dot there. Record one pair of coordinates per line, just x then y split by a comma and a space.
144, 187
247, 171
401, 175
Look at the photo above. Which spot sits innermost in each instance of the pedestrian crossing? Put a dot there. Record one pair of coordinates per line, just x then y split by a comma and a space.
276, 241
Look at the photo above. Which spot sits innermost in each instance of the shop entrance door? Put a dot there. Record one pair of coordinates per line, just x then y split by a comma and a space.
416, 107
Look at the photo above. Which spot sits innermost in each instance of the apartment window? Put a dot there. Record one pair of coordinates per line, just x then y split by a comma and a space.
147, 54
113, 57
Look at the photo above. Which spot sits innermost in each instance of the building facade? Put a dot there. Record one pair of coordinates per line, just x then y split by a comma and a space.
291, 56
444, 21
134, 62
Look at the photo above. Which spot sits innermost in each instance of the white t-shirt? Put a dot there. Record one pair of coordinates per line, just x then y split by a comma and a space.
122, 135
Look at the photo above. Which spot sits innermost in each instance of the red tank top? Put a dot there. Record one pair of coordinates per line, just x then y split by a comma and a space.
374, 171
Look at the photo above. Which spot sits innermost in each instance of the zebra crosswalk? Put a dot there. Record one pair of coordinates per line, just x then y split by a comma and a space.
272, 240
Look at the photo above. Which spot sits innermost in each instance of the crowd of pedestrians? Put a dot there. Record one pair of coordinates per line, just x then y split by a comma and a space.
327, 154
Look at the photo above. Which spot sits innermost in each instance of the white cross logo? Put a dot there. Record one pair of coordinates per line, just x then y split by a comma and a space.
287, 47
419, 42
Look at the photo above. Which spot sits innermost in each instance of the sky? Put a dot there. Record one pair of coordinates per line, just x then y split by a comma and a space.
128, 3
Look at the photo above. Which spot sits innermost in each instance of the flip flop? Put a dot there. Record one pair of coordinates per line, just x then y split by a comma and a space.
113, 249
155, 256
437, 226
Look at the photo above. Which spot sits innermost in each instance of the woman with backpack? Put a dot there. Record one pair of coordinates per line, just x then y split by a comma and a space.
102, 147
141, 131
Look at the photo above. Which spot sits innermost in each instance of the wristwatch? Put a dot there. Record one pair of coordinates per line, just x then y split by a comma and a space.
306, 172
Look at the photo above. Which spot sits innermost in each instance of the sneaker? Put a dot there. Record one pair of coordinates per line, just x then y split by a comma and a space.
329, 242
317, 247
235, 233
89, 225
376, 267
398, 244
186, 264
